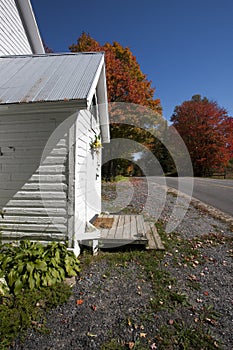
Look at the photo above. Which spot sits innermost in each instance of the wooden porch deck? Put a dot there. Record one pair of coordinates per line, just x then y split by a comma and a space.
127, 229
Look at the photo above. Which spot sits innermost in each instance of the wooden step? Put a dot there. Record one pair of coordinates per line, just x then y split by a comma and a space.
125, 230
154, 240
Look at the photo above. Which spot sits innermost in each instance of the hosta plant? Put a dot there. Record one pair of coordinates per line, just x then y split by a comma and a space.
4, 289
34, 265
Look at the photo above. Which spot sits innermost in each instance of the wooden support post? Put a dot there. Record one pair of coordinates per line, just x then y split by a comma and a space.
95, 244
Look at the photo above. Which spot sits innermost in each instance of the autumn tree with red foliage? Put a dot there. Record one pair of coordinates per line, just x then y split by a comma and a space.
207, 132
229, 135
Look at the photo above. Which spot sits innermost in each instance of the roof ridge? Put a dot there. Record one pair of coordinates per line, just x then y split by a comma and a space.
56, 54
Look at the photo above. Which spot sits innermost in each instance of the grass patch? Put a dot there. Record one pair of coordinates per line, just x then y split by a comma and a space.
28, 309
212, 239
184, 252
121, 178
185, 337
118, 178
113, 344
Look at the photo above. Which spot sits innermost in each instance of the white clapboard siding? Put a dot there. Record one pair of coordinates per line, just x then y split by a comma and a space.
33, 189
45, 187
34, 228
36, 236
32, 202
39, 212
87, 185
43, 178
33, 220
38, 195
13, 39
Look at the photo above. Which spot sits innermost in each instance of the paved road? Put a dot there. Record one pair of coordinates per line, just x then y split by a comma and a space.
217, 193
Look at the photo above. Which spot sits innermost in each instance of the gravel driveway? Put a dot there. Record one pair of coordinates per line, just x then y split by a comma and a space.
110, 301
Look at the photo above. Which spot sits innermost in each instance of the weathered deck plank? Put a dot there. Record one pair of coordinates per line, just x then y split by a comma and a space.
140, 227
110, 233
120, 228
154, 240
126, 229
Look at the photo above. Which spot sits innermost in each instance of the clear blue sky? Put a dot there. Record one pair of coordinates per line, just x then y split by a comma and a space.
185, 47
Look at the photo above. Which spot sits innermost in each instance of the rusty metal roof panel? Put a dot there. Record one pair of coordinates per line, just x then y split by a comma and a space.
52, 77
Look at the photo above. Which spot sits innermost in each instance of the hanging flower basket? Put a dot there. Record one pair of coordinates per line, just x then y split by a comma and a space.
96, 144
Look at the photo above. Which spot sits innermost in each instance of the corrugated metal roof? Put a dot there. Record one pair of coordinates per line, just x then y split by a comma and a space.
52, 77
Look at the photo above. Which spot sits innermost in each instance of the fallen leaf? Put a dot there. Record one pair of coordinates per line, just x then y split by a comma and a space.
94, 307
37, 324
153, 346
143, 335
170, 321
192, 277
211, 321
206, 293
91, 334
79, 301
65, 320
131, 345
199, 300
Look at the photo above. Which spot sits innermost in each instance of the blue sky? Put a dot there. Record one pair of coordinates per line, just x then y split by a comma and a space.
185, 47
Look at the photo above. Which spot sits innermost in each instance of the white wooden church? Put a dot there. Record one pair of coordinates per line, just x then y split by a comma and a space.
53, 107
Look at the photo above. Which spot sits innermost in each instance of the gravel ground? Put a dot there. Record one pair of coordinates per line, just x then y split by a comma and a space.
110, 301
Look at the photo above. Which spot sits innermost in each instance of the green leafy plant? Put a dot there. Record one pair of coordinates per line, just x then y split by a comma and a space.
34, 265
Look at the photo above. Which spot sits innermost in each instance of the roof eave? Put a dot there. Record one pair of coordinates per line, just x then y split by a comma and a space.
99, 84
70, 106
103, 105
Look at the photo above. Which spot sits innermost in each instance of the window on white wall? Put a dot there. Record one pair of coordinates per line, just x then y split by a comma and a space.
94, 108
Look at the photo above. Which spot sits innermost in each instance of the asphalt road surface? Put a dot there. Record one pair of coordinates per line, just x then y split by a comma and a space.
216, 192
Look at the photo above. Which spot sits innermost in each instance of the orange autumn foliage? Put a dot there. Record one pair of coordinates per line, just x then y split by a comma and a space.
125, 81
